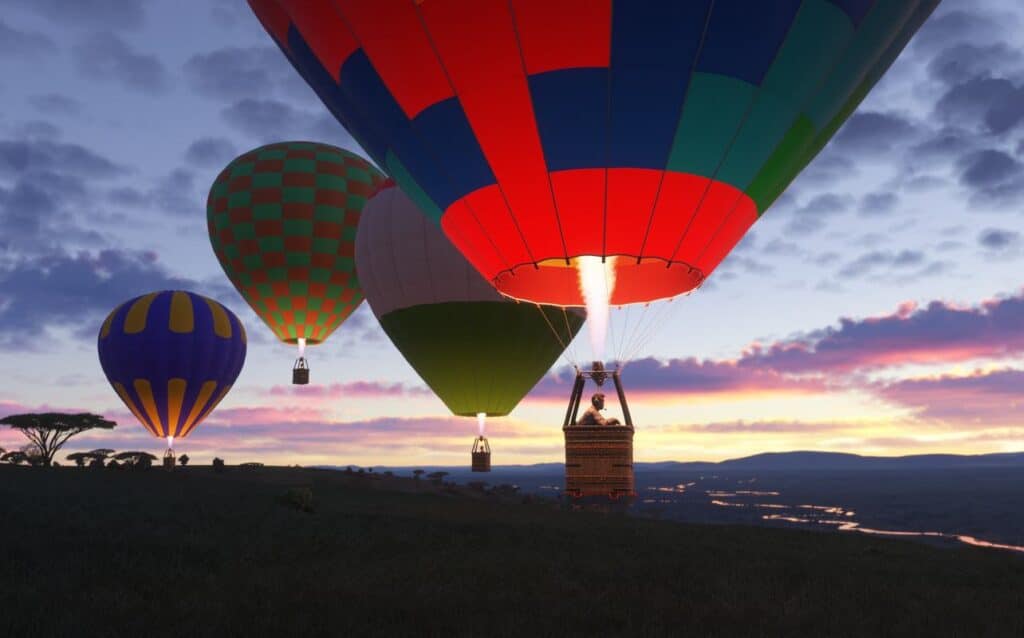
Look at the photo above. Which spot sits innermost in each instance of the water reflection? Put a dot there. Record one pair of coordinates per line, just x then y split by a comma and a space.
834, 516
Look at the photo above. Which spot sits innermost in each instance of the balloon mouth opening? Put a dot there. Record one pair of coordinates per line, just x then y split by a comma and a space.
294, 341
557, 281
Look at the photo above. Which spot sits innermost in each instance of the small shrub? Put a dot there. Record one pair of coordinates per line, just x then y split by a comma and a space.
183, 460
218, 465
300, 498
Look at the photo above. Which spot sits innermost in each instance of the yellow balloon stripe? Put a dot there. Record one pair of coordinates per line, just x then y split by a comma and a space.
145, 392
221, 323
204, 395
135, 322
175, 396
105, 331
123, 393
209, 409
181, 320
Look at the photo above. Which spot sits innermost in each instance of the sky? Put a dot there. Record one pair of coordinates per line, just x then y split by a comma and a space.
876, 308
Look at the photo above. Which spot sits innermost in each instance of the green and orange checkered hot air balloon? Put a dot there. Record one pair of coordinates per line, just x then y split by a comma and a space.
282, 221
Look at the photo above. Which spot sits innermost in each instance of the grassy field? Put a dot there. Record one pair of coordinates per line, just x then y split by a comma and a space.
191, 553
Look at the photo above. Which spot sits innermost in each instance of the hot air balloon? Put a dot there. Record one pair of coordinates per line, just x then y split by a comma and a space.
647, 134
593, 152
282, 221
171, 356
478, 351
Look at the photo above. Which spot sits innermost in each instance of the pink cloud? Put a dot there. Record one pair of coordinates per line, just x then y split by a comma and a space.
258, 415
979, 399
244, 436
353, 390
683, 377
937, 333
759, 427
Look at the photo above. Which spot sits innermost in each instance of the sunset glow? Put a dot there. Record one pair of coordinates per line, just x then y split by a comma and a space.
875, 307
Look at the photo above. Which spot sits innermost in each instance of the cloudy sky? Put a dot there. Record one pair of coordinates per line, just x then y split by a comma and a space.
876, 308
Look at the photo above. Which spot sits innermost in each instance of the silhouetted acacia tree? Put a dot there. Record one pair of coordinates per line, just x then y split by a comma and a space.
48, 432
79, 458
183, 460
15, 457
92, 458
140, 460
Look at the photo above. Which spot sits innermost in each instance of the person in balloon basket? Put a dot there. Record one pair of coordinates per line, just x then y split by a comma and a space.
593, 416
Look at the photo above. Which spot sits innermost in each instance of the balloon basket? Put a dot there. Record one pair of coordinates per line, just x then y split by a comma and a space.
300, 373
481, 455
598, 458
169, 459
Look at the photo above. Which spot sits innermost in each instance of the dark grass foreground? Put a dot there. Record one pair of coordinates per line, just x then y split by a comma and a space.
122, 553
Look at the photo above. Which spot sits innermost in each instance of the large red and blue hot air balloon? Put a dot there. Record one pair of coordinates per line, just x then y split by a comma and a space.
171, 356
537, 132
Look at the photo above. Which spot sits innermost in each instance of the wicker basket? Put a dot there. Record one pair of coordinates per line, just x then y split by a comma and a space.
599, 461
481, 455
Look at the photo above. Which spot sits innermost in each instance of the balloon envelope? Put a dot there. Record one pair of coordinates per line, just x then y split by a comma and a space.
171, 356
536, 132
282, 221
477, 350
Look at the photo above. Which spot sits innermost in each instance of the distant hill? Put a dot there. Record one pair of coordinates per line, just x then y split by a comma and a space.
799, 460
806, 460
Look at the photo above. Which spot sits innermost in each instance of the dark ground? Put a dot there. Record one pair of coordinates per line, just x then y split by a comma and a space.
191, 553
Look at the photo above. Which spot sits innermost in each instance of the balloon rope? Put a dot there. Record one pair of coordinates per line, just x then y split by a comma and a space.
569, 336
628, 313
554, 331
657, 319
638, 328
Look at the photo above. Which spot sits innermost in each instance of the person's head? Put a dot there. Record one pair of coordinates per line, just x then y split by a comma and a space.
598, 400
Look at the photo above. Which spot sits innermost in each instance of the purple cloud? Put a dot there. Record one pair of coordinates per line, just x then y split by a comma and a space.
690, 377
982, 399
938, 332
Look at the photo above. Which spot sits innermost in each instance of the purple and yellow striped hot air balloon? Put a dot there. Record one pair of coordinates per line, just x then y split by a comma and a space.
171, 356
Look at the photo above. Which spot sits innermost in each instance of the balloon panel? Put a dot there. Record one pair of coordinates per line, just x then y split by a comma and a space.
478, 351
535, 132
282, 221
404, 260
171, 356
482, 356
